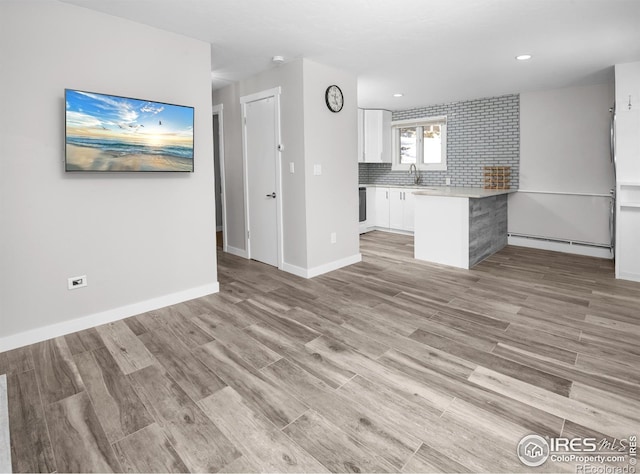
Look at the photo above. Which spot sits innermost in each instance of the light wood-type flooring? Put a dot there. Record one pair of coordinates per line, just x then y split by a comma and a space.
387, 365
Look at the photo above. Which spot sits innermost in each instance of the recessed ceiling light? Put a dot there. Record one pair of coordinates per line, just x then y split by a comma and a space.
278, 59
523, 57
398, 94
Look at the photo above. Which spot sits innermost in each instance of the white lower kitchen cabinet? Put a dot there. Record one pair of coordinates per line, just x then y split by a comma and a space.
408, 211
371, 207
627, 231
395, 209
382, 207
396, 212
402, 205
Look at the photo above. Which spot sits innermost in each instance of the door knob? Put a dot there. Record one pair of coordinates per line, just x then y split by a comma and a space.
272, 195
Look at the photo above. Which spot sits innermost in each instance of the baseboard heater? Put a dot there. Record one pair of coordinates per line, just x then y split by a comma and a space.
559, 241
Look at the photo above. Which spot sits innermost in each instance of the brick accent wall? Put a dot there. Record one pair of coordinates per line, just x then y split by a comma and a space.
480, 132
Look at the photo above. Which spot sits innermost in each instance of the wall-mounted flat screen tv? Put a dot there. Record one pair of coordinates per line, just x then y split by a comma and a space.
112, 133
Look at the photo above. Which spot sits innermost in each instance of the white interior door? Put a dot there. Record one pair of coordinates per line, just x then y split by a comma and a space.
263, 199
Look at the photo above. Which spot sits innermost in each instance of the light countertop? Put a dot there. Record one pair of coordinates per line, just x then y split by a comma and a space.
403, 186
451, 191
460, 191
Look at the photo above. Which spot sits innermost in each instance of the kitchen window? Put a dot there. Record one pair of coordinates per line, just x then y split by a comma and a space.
421, 142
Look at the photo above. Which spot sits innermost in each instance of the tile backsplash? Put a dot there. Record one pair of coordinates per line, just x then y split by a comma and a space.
480, 132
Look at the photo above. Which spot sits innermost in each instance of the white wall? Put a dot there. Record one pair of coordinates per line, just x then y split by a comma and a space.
289, 78
141, 239
313, 206
564, 148
331, 140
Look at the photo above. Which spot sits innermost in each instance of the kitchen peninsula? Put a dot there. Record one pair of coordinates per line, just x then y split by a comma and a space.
459, 226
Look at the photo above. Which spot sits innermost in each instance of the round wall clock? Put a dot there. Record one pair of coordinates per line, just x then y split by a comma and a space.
334, 98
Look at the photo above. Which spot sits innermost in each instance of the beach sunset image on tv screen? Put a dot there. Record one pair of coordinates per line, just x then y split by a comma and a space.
111, 133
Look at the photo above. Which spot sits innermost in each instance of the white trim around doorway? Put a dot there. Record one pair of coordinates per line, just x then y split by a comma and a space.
219, 111
244, 100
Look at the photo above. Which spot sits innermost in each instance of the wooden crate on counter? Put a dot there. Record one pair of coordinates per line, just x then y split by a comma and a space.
497, 177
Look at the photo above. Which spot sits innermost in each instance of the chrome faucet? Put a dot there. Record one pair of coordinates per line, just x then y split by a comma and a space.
414, 170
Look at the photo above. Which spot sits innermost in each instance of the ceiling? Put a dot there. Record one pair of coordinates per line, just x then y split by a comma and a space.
431, 51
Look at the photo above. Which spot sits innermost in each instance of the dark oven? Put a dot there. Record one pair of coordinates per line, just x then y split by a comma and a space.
362, 192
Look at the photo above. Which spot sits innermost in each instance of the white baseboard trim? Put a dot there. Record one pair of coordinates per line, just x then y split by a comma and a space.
235, 251
67, 327
5, 445
321, 269
628, 276
575, 249
392, 231
295, 270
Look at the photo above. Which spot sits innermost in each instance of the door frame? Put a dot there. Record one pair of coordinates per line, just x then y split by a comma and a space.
219, 111
244, 100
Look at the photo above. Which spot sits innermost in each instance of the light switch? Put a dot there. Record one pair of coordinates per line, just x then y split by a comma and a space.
292, 168
317, 170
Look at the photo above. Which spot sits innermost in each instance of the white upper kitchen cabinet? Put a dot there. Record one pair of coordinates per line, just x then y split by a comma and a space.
377, 136
628, 122
360, 135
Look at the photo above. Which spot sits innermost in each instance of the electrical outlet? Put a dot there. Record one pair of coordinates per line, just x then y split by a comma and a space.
447, 181
333, 237
292, 168
317, 170
77, 282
